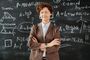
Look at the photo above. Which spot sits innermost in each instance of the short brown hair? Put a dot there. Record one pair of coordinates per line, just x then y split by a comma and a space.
41, 5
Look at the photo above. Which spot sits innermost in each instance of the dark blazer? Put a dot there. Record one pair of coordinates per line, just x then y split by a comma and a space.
37, 32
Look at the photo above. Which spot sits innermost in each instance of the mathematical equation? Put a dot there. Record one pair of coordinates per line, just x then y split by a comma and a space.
30, 4
26, 13
24, 27
76, 10
75, 40
65, 13
74, 29
12, 15
70, 3
19, 43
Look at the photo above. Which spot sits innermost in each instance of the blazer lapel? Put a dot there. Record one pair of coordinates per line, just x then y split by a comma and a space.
49, 28
41, 31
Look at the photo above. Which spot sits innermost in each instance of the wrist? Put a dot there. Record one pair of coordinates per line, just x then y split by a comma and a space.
47, 45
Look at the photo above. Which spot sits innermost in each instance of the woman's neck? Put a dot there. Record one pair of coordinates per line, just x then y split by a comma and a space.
45, 22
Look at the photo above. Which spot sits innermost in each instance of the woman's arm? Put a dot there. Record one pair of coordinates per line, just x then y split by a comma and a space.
32, 42
55, 44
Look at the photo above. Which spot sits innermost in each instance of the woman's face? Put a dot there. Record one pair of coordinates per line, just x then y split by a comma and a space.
45, 15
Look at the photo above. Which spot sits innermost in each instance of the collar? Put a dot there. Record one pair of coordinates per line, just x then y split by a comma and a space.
46, 24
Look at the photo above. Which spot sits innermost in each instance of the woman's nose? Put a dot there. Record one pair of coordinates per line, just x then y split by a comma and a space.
44, 13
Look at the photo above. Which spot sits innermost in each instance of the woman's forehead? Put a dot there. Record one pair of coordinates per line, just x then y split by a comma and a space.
45, 8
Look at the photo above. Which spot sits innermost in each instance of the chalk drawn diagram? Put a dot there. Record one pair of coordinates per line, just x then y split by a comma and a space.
24, 27
7, 16
7, 30
7, 24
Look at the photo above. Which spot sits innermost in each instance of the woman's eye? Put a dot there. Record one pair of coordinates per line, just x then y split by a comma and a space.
41, 12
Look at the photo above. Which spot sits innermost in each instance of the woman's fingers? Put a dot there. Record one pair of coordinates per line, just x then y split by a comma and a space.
56, 42
34, 39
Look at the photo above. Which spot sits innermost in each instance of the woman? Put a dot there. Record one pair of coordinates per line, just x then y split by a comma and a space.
44, 39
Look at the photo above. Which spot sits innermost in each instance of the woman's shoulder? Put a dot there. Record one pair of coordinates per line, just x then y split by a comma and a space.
55, 26
36, 25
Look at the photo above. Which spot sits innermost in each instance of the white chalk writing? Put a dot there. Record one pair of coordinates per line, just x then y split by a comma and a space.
8, 43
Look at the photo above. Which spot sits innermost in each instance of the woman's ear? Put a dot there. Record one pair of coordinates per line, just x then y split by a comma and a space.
39, 17
51, 17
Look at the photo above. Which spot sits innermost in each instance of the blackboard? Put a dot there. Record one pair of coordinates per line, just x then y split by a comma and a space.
17, 17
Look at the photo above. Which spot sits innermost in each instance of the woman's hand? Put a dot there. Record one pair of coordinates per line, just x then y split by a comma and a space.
43, 47
34, 39
54, 42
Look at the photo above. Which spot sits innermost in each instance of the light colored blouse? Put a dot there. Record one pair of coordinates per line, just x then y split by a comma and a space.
45, 28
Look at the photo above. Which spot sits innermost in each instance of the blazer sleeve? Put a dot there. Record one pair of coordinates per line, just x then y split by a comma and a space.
34, 45
56, 35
